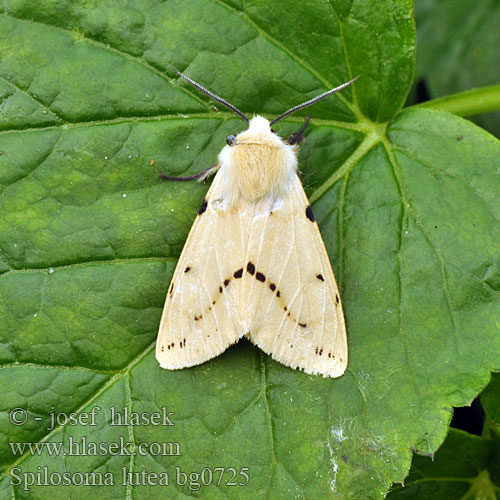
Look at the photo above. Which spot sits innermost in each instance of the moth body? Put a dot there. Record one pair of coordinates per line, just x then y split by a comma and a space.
258, 164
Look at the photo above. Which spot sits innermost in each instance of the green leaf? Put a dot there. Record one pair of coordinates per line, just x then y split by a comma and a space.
490, 400
453, 60
464, 467
89, 237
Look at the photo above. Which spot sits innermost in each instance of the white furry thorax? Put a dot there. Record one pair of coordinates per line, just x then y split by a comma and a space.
257, 165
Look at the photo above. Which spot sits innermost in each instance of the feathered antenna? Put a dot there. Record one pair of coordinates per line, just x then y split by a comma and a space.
313, 100
212, 95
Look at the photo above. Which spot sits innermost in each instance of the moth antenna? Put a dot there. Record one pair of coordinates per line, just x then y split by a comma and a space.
313, 100
212, 95
201, 177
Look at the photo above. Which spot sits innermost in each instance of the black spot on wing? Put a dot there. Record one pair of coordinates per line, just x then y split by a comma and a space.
320, 277
309, 213
337, 299
226, 282
171, 288
251, 268
203, 207
272, 286
187, 269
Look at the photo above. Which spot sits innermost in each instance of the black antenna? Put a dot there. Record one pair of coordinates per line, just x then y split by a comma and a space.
213, 96
313, 100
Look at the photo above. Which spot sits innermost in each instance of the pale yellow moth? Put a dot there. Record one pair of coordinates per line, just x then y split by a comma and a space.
254, 263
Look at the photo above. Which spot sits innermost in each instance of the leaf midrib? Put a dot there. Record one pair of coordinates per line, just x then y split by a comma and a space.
186, 90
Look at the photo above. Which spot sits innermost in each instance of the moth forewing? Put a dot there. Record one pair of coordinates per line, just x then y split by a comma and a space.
197, 321
302, 323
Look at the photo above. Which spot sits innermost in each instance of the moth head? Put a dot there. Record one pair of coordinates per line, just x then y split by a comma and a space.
256, 146
259, 132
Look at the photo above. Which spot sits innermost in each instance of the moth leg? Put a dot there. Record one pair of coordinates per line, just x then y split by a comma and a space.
201, 177
297, 137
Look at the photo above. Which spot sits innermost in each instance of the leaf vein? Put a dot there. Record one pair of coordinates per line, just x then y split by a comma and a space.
411, 211
139, 60
32, 97
452, 176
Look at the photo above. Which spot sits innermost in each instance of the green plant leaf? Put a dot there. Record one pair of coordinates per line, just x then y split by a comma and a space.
465, 467
490, 400
89, 237
453, 60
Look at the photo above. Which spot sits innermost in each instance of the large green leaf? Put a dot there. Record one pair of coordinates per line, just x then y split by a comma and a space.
89, 237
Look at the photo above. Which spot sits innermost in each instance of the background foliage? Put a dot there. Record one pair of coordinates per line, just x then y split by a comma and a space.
407, 201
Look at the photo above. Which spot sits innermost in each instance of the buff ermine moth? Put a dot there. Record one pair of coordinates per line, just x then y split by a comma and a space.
254, 263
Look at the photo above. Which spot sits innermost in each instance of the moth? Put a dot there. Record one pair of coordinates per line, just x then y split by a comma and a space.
254, 263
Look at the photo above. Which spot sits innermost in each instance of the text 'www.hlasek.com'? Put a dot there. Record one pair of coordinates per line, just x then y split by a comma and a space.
121, 428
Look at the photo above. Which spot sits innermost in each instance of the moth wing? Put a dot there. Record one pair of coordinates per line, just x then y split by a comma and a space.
298, 313
198, 320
